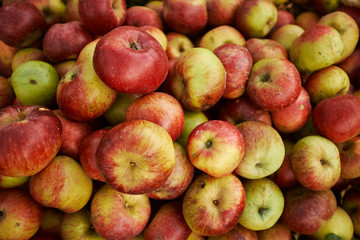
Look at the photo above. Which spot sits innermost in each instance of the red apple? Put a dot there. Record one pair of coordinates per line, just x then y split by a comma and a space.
30, 137
237, 62
350, 158
20, 214
21, 24
222, 12
277, 232
351, 65
139, 16
50, 223
238, 232
137, 65
307, 19
284, 17
273, 84
54, 10
7, 53
7, 94
177, 44
160, 108
261, 48
337, 118
100, 17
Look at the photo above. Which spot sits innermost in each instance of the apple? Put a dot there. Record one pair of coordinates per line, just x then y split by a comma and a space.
351, 204
185, 17
100, 17
352, 3
73, 134
53, 10
293, 117
240, 110
261, 48
216, 147
222, 12
27, 54
255, 19
64, 41
168, 223
35, 83
12, 182
318, 47
307, 19
194, 236
313, 209
179, 179
191, 120
284, 17
158, 34
264, 204
50, 223
7, 53
264, 150
354, 12
323, 7
237, 62
7, 94
22, 24
20, 214
346, 26
327, 82
197, 88
337, 118
62, 184
349, 157
345, 230
81, 95
212, 206
277, 232
109, 208
139, 65
177, 44
274, 83
160, 108
63, 67
139, 16
217, 36
156, 5
117, 112
78, 225
286, 35
238, 232
130, 151
351, 66
30, 137
72, 11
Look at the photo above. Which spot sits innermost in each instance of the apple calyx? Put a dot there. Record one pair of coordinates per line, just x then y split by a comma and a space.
134, 46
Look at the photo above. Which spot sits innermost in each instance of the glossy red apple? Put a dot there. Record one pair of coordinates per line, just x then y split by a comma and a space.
261, 48
139, 16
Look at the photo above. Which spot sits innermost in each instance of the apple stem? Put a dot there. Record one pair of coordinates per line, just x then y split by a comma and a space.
215, 202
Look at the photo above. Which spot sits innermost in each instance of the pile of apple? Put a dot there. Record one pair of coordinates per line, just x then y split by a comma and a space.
179, 119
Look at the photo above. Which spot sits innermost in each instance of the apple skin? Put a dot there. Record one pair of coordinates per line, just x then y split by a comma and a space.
222, 12
62, 184
58, 34
73, 133
27, 54
273, 84
54, 10
168, 223
109, 207
261, 48
264, 204
160, 108
130, 151
20, 214
158, 34
284, 17
87, 153
293, 117
100, 17
354, 12
50, 223
7, 54
351, 66
7, 94
264, 150
327, 82
318, 47
197, 88
216, 147
307, 19
139, 16
78, 225
237, 62
12, 182
350, 158
22, 24
238, 232
217, 36
179, 179
117, 65
311, 208
72, 11
177, 44
185, 17
351, 204
277, 232
39, 142
337, 118
255, 19
240, 110
63, 67
206, 209
285, 35
323, 7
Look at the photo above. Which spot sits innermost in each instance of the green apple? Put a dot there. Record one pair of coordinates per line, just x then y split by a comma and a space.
286, 35
264, 204
35, 83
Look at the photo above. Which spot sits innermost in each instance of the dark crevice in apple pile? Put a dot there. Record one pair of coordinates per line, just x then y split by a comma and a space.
47, 12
